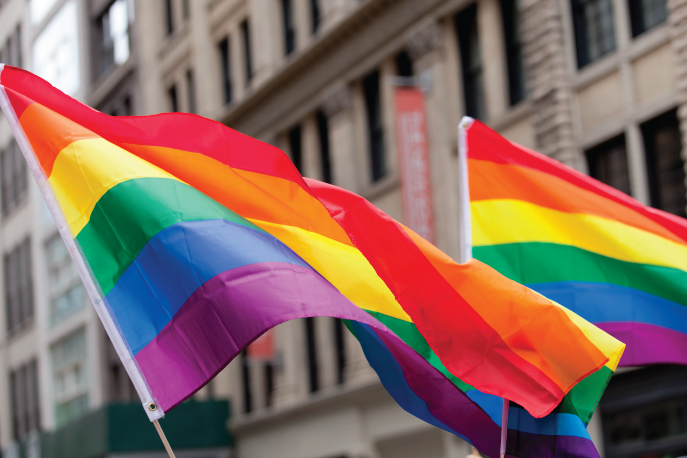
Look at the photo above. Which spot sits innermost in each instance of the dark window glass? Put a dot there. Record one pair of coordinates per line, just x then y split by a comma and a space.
608, 164
295, 147
169, 17
245, 31
11, 53
18, 287
311, 349
325, 159
594, 29
226, 69
173, 100
186, 5
120, 387
126, 106
247, 395
375, 126
315, 14
191, 88
269, 384
404, 65
289, 28
646, 14
14, 177
471, 60
662, 143
112, 46
340, 345
516, 70
25, 404
644, 413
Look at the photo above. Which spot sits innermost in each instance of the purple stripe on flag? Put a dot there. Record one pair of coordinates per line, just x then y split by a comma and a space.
648, 343
227, 313
453, 408
521, 444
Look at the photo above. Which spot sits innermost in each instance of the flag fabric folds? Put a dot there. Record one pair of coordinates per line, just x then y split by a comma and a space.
193, 240
598, 252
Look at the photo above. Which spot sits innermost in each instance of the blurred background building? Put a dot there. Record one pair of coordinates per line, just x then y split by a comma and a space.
600, 85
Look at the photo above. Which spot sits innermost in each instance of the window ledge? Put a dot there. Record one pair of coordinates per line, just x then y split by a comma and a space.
512, 115
381, 187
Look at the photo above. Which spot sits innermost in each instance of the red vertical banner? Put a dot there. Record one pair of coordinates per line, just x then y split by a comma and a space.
411, 133
262, 349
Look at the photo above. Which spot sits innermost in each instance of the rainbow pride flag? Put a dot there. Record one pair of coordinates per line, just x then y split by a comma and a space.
193, 240
591, 248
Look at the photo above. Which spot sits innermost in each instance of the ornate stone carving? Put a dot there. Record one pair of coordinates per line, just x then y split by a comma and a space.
337, 101
543, 48
427, 39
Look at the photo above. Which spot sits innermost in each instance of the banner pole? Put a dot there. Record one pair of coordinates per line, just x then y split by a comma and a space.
164, 439
465, 230
504, 427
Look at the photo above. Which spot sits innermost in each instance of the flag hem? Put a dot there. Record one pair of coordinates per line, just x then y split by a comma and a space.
121, 348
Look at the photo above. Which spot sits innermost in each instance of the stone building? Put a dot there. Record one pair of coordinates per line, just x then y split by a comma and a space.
598, 84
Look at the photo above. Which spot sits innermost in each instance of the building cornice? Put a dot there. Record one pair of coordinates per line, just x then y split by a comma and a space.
343, 54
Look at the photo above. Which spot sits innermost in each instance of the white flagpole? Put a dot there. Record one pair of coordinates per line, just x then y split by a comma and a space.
164, 439
465, 229
466, 235
504, 428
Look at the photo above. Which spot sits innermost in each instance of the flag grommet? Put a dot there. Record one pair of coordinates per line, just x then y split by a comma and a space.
152, 407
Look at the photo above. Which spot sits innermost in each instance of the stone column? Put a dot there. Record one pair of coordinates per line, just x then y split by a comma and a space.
337, 107
677, 18
290, 381
548, 80
326, 351
426, 49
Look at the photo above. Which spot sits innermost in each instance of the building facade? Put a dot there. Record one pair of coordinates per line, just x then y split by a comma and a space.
600, 85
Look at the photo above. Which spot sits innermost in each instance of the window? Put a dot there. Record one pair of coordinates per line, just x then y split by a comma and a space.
66, 292
55, 55
119, 385
14, 177
112, 28
295, 148
186, 7
19, 287
11, 53
169, 17
594, 29
315, 14
608, 164
25, 405
173, 100
404, 65
325, 159
191, 90
375, 126
289, 28
245, 31
39, 9
311, 354
340, 346
226, 69
516, 71
245, 373
662, 143
269, 384
646, 14
471, 61
70, 381
636, 425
